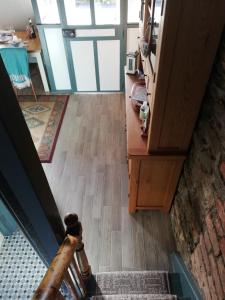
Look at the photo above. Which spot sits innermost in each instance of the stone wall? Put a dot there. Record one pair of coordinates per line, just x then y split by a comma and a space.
198, 211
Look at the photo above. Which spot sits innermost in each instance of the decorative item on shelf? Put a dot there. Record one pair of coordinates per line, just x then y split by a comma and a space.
6, 36
138, 95
132, 62
153, 44
30, 30
144, 46
139, 62
140, 74
17, 42
144, 115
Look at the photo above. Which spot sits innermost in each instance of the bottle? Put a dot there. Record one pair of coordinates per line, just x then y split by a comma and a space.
32, 34
144, 111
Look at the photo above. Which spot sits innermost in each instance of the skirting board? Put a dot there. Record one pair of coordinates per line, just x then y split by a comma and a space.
181, 280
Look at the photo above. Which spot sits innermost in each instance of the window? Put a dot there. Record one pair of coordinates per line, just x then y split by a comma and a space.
48, 11
78, 12
133, 11
107, 12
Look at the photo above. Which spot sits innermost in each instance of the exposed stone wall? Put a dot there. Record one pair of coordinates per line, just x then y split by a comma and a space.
198, 211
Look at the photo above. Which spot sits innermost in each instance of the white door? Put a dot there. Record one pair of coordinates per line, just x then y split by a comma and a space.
84, 39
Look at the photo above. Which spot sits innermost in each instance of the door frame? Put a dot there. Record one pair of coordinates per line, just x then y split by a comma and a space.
23, 183
120, 34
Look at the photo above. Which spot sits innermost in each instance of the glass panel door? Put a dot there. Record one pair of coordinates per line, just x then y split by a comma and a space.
57, 56
78, 12
107, 12
84, 52
48, 11
95, 50
109, 69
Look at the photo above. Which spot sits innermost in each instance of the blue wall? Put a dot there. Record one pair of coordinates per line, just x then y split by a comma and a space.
7, 223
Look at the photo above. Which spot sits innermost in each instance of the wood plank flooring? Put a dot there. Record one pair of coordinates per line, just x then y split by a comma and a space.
88, 176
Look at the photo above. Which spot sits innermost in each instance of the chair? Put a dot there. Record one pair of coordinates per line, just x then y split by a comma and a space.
17, 66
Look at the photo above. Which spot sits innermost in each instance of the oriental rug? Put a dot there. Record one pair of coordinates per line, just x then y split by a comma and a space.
44, 119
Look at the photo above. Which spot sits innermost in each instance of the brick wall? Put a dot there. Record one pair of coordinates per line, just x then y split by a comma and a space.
198, 211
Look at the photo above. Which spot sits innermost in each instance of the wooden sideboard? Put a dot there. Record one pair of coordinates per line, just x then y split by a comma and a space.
186, 37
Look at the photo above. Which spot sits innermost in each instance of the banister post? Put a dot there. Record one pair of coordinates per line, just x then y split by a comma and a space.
74, 228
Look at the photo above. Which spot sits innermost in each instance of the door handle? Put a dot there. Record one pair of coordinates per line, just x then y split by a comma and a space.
69, 33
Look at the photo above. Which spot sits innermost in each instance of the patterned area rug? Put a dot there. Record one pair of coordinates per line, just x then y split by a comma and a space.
130, 283
44, 119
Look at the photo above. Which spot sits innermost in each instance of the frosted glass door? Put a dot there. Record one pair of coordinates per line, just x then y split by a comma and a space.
78, 12
95, 50
84, 65
57, 56
107, 12
109, 65
48, 11
82, 44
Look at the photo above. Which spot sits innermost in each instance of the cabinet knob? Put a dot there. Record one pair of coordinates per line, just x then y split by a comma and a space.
145, 75
148, 94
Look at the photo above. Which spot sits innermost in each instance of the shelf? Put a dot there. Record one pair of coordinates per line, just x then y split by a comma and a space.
146, 64
136, 144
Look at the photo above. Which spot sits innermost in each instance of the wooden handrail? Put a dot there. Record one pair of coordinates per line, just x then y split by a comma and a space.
74, 228
63, 262
51, 283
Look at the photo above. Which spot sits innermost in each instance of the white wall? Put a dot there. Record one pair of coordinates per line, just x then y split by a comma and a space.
15, 13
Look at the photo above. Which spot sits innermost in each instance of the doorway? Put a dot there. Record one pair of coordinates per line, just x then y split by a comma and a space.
83, 43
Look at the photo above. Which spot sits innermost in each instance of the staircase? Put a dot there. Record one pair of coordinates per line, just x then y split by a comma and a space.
130, 286
75, 274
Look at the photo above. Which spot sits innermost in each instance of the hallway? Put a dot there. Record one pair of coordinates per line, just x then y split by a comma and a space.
88, 176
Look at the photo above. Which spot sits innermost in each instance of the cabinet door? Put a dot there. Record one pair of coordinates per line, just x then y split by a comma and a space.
157, 181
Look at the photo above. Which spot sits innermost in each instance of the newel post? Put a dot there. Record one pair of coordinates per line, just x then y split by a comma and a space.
74, 228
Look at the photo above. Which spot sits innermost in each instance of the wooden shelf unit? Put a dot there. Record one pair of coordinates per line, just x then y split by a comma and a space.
152, 178
136, 145
188, 36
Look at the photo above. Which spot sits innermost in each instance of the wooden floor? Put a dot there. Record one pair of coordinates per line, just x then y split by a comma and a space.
88, 176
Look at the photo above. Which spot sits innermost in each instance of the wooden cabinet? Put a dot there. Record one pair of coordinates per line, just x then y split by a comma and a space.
187, 39
182, 37
153, 181
152, 178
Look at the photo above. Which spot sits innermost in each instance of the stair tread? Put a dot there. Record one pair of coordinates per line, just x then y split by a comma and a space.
135, 297
130, 283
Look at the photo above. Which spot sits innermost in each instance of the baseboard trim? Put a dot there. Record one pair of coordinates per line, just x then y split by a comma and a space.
182, 282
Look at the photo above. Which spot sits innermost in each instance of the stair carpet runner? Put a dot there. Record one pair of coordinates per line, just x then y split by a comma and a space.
145, 285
